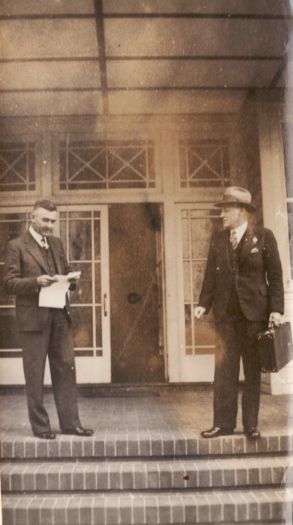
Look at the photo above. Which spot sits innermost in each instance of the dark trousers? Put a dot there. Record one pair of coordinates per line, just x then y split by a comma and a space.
56, 342
238, 340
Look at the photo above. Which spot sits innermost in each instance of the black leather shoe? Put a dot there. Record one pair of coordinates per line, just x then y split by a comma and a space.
45, 435
217, 432
252, 433
78, 431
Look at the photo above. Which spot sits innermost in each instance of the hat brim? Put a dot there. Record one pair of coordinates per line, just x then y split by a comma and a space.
224, 204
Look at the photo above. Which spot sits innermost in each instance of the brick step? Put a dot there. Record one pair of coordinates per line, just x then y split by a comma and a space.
145, 475
165, 508
144, 444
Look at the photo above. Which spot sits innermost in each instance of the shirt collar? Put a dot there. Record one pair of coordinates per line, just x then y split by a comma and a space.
240, 230
37, 236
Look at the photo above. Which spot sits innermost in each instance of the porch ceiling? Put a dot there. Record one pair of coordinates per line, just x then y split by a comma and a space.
67, 57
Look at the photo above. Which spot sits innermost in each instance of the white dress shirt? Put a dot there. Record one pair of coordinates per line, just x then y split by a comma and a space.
38, 238
240, 231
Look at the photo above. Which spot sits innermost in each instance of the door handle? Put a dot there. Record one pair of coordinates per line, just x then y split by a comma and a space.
105, 305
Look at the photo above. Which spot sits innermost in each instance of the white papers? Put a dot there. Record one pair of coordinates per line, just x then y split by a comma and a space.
54, 296
71, 276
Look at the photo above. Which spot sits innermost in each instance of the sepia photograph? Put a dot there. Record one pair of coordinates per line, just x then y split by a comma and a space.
146, 262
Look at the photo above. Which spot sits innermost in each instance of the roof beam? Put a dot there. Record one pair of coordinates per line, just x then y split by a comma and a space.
98, 4
240, 58
230, 16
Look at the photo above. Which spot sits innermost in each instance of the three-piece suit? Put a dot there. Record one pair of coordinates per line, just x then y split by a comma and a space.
243, 286
43, 331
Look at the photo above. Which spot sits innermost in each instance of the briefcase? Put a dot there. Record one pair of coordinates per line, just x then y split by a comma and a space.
275, 348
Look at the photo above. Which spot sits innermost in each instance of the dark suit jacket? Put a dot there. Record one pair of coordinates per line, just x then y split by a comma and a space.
24, 263
259, 282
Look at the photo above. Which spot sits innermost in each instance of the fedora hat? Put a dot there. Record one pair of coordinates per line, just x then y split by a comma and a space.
236, 196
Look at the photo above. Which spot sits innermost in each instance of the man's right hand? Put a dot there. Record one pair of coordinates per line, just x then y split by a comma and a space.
199, 311
45, 280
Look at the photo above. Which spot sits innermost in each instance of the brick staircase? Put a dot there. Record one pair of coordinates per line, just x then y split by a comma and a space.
147, 478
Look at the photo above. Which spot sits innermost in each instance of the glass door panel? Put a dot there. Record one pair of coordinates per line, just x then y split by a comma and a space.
197, 227
84, 233
198, 339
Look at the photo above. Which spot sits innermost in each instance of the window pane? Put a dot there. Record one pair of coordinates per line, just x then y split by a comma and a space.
97, 238
82, 327
83, 292
201, 230
99, 326
188, 325
98, 290
63, 235
17, 166
187, 287
11, 226
204, 164
80, 246
198, 269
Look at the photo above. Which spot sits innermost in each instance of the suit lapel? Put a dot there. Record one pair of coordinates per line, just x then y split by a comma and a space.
247, 244
34, 249
55, 252
226, 248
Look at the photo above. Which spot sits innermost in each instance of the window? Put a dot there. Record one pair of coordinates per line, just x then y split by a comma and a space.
17, 166
204, 164
106, 165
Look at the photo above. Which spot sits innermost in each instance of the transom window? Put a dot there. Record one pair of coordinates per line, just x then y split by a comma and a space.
204, 164
17, 166
106, 165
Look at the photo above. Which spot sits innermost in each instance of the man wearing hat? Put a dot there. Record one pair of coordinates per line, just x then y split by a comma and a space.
244, 285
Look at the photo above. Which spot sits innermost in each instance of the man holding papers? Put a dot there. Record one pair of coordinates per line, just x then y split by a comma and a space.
37, 273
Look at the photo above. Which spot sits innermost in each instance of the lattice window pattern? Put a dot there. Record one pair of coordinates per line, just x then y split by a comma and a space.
17, 166
204, 164
106, 165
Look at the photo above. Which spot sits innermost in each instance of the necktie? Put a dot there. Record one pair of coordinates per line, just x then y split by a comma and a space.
44, 243
233, 239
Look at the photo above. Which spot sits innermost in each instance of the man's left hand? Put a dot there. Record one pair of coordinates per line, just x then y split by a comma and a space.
275, 319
